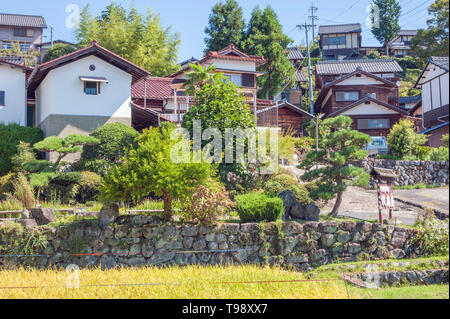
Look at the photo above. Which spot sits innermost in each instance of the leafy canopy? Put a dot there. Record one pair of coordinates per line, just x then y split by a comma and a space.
59, 49
141, 40
198, 76
332, 167
403, 141
389, 15
148, 168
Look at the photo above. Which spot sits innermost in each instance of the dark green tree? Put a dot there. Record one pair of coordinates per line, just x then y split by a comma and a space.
434, 40
265, 38
59, 49
333, 166
226, 26
389, 15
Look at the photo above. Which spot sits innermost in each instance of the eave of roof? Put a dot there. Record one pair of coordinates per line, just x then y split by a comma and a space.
364, 99
431, 129
340, 28
22, 20
432, 60
20, 66
285, 103
415, 107
337, 67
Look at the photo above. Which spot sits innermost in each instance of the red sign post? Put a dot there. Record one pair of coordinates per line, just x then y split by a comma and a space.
385, 185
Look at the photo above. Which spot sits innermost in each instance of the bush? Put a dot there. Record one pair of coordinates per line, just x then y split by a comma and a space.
256, 207
284, 182
206, 204
10, 136
115, 139
39, 166
40, 182
439, 154
434, 236
404, 142
88, 187
65, 186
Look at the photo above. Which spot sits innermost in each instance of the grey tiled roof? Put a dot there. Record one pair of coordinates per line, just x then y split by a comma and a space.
295, 54
407, 32
20, 20
347, 66
409, 99
12, 59
441, 61
299, 76
340, 28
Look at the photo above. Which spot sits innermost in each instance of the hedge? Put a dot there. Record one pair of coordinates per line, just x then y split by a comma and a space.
256, 207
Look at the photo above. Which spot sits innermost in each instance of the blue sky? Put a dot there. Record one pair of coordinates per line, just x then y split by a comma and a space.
189, 18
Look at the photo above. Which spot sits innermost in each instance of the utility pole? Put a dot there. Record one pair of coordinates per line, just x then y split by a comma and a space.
313, 19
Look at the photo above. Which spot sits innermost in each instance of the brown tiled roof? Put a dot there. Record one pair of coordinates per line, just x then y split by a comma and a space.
157, 88
21, 20
340, 28
337, 67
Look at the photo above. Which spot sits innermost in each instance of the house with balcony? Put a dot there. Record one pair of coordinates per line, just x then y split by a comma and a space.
400, 46
27, 30
340, 42
359, 90
434, 83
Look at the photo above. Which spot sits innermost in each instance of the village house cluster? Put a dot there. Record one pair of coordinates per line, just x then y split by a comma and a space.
93, 86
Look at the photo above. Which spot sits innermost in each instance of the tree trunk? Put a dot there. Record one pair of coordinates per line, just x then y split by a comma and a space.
167, 207
338, 202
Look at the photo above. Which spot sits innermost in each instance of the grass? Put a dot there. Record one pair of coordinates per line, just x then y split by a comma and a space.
407, 292
191, 282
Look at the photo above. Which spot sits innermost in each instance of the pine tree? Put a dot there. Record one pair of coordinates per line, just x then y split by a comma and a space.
265, 38
389, 15
226, 26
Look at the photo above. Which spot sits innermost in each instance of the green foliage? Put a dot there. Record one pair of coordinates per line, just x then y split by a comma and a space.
439, 154
403, 141
225, 26
434, 236
198, 76
206, 204
389, 15
149, 169
283, 182
58, 50
23, 191
88, 187
445, 139
24, 154
115, 139
39, 166
332, 167
256, 207
305, 144
40, 181
434, 40
141, 40
10, 136
265, 38
409, 81
63, 146
65, 186
29, 57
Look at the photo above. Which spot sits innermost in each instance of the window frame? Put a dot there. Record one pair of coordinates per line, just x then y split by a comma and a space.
344, 94
337, 40
20, 32
370, 125
97, 88
3, 97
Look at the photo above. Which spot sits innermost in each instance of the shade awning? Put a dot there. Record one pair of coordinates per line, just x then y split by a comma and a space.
93, 79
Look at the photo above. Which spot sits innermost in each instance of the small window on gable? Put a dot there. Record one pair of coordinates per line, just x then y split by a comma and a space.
91, 88
347, 96
2, 98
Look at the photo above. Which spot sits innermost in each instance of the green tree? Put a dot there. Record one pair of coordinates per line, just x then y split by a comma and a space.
72, 143
141, 40
403, 141
25, 154
226, 26
199, 76
265, 38
29, 57
332, 167
149, 169
434, 40
58, 50
115, 139
389, 15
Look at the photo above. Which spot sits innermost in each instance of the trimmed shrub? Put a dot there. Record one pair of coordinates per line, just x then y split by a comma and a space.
40, 182
284, 182
65, 186
88, 187
256, 207
439, 154
10, 136
39, 166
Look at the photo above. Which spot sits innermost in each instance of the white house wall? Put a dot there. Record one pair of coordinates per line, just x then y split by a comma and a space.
12, 81
363, 80
369, 109
234, 65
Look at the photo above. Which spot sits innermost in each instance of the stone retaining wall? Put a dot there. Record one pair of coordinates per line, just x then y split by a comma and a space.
149, 241
409, 277
413, 172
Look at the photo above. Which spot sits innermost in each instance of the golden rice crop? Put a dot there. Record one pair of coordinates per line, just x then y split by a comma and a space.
191, 282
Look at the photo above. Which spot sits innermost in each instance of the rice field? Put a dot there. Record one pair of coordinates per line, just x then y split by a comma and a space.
192, 282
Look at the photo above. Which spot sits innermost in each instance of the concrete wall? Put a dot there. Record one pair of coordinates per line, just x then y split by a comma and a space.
12, 81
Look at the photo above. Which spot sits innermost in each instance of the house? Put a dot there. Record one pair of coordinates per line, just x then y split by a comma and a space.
166, 96
25, 29
81, 91
44, 46
369, 99
294, 94
408, 102
13, 77
434, 83
328, 71
400, 46
340, 42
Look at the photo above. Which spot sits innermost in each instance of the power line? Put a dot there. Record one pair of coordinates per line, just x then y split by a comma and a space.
346, 10
414, 9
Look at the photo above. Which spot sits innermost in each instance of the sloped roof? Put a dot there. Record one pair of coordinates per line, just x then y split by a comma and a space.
299, 76
409, 99
336, 67
21, 20
439, 61
364, 99
283, 104
408, 32
340, 28
433, 128
157, 88
295, 54
12, 59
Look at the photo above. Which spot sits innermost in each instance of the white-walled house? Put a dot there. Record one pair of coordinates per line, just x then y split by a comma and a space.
434, 82
13, 95
83, 90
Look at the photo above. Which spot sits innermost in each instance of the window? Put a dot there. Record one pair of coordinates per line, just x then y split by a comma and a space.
366, 124
25, 47
7, 46
2, 98
337, 40
235, 78
388, 75
347, 96
20, 32
91, 88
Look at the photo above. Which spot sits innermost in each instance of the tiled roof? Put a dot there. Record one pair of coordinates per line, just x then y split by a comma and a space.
12, 59
440, 61
408, 32
295, 54
333, 67
20, 20
285, 103
299, 76
157, 88
340, 28
409, 99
